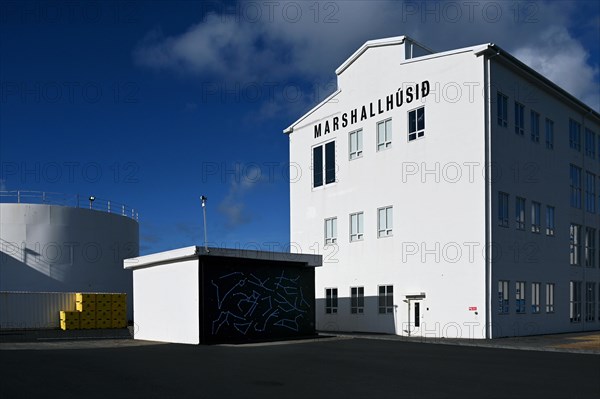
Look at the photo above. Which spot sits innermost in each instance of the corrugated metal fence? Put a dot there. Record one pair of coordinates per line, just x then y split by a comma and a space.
33, 310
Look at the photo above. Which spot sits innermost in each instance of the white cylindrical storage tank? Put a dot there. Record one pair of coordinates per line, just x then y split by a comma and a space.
55, 248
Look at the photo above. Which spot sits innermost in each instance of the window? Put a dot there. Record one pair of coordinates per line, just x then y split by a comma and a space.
519, 119
416, 123
331, 300
330, 231
327, 153
502, 109
574, 135
549, 134
356, 144
590, 192
356, 226
575, 301
590, 143
386, 299
520, 213
535, 126
590, 301
535, 217
575, 183
520, 296
384, 135
590, 247
535, 297
357, 300
549, 297
503, 209
385, 221
549, 220
503, 296
575, 244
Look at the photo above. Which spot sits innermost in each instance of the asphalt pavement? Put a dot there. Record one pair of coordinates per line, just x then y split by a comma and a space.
334, 367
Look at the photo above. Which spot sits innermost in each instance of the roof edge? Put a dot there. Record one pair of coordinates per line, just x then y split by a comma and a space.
195, 252
158, 257
389, 41
489, 49
290, 128
493, 50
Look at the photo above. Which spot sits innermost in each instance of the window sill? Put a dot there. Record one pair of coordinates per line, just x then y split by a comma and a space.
415, 139
324, 186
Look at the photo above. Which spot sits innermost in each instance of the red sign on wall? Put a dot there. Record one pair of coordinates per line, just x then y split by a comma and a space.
472, 308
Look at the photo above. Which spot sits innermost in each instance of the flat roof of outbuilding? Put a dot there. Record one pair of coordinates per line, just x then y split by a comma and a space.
196, 252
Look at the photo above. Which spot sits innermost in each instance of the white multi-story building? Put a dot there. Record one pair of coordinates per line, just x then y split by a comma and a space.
451, 194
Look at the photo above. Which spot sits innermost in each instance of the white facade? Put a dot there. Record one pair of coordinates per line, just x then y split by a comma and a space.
428, 252
166, 296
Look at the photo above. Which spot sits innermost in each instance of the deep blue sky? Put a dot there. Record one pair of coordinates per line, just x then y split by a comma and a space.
155, 103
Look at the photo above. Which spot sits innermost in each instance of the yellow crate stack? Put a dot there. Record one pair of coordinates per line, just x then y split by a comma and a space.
118, 301
69, 320
85, 303
103, 301
88, 319
103, 305
118, 311
96, 310
103, 319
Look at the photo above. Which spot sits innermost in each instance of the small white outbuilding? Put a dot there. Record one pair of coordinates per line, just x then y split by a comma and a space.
195, 295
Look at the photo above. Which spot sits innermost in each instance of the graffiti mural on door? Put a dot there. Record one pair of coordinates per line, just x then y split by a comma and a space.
260, 302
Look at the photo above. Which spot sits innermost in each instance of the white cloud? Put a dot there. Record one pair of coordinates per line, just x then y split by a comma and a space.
284, 46
564, 61
233, 206
266, 50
